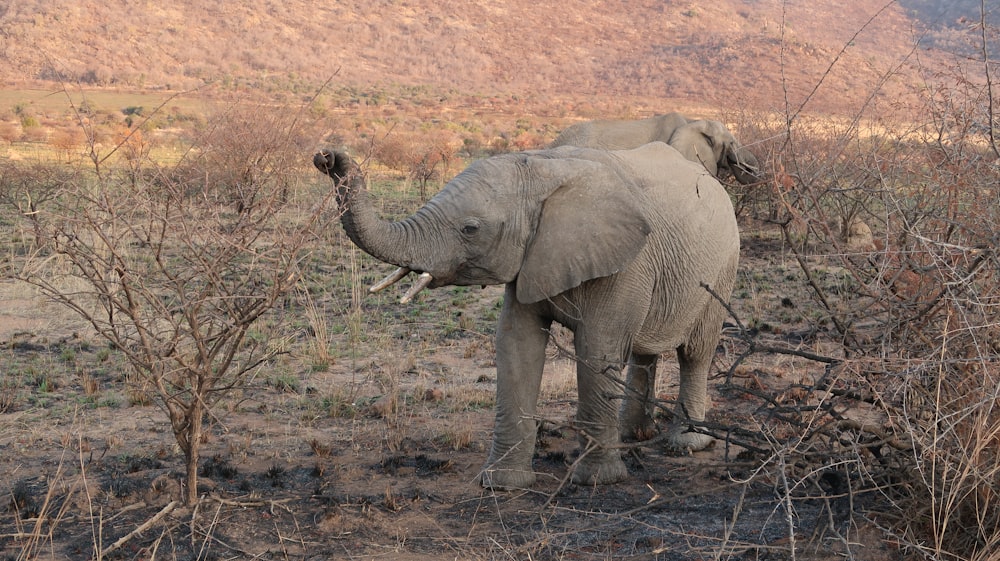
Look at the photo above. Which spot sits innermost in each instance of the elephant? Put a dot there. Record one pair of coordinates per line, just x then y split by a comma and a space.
620, 135
707, 142
617, 246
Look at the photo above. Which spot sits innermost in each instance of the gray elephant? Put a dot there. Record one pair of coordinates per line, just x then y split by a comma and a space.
707, 142
620, 135
614, 245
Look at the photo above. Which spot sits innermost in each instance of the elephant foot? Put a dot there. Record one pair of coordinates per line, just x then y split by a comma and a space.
688, 441
602, 471
505, 479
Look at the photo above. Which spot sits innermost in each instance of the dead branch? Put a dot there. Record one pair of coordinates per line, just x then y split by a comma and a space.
143, 527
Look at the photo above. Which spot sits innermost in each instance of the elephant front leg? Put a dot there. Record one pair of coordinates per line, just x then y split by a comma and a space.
598, 377
637, 410
520, 342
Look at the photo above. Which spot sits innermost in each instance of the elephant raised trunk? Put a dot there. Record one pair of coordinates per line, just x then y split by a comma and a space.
386, 241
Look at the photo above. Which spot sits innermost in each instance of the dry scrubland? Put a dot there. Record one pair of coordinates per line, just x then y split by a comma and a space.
730, 52
210, 314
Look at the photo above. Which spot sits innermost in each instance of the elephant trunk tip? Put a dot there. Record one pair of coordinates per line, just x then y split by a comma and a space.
321, 160
337, 165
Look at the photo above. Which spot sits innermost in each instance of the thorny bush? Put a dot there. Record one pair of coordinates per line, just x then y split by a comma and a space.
907, 215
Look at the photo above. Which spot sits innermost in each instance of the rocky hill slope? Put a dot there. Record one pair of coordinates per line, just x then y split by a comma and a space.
725, 52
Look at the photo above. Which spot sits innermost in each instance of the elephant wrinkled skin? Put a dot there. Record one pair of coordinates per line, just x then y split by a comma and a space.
614, 245
707, 142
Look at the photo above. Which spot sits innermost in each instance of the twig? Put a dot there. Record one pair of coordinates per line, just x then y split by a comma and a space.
143, 527
989, 79
754, 347
591, 446
271, 503
786, 499
129, 508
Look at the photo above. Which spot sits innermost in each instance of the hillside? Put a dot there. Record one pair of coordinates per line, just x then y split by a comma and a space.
728, 52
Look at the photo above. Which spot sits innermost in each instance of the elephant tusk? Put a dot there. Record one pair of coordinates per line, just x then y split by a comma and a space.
389, 280
422, 281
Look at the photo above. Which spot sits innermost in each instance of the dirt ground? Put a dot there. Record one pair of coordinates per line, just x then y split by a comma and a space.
376, 455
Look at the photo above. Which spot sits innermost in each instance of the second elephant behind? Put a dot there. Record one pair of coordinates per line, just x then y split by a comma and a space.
703, 141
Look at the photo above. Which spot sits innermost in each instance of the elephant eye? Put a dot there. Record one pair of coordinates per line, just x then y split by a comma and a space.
470, 229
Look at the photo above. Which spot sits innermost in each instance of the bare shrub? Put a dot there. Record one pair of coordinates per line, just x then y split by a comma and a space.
906, 213
10, 132
940, 295
423, 158
32, 131
133, 151
67, 139
26, 187
903, 206
175, 267
245, 156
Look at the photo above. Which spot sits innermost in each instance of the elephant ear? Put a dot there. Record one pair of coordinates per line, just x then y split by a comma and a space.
708, 153
697, 143
591, 226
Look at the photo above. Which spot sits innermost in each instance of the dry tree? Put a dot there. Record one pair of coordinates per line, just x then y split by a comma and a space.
174, 267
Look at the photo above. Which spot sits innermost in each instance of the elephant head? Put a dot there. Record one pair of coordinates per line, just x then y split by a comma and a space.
707, 142
711, 144
491, 224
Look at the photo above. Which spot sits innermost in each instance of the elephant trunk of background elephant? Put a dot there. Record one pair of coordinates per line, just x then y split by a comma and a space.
745, 167
390, 242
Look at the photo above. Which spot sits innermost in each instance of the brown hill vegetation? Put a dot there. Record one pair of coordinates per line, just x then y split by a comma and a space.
728, 52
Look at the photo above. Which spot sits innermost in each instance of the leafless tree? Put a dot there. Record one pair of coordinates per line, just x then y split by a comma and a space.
174, 267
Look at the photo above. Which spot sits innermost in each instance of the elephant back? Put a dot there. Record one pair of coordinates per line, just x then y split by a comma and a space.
683, 194
620, 134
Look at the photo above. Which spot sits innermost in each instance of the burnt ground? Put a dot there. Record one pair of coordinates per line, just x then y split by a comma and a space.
375, 453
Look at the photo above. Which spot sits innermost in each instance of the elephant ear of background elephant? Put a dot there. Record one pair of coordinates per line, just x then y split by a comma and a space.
704, 142
586, 231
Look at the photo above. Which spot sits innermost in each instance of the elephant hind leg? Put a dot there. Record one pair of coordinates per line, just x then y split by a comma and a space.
695, 359
637, 410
